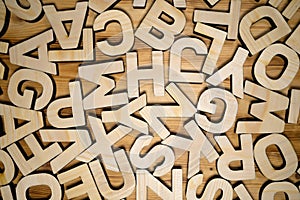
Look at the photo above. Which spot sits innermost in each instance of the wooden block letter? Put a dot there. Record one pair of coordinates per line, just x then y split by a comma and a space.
245, 155
291, 9
234, 69
80, 139
75, 101
152, 113
84, 54
287, 151
31, 13
5, 192
242, 192
206, 104
26, 99
99, 98
38, 180
8, 170
273, 102
40, 155
256, 45
230, 19
210, 190
123, 115
101, 5
56, 19
134, 74
210, 63
87, 186
294, 40
146, 180
286, 77
151, 158
127, 32
155, 31
104, 143
199, 145
102, 182
9, 113
287, 188
17, 53
175, 73
294, 108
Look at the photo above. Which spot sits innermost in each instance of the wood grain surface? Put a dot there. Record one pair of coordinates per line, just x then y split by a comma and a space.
20, 30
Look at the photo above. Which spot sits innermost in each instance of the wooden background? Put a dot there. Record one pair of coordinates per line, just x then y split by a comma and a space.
20, 30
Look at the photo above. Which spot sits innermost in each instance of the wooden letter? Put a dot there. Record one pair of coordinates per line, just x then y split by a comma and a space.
95, 73
75, 101
36, 180
175, 73
123, 115
151, 158
294, 108
41, 156
30, 14
206, 104
104, 143
287, 151
242, 192
256, 45
210, 190
8, 172
5, 192
101, 5
87, 186
9, 113
145, 179
291, 9
210, 63
245, 155
26, 99
273, 102
294, 40
230, 19
289, 73
3, 49
102, 182
127, 31
84, 54
134, 74
142, 3
155, 31
288, 188
17, 53
80, 139
71, 40
199, 145
234, 69
212, 2
152, 113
